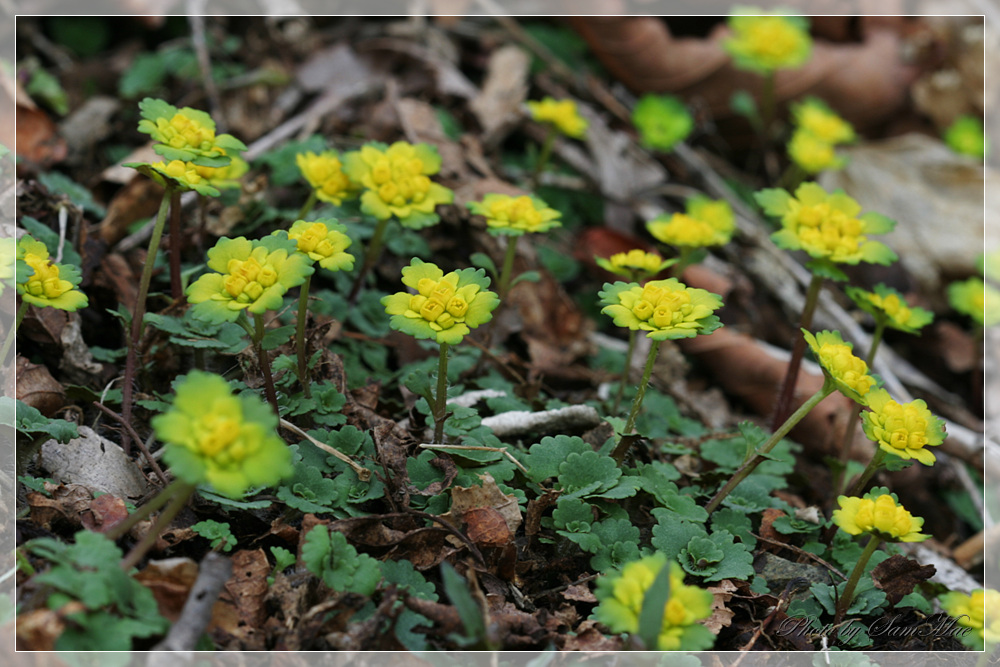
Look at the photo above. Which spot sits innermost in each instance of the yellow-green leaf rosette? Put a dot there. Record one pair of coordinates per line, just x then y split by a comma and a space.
514, 216
324, 241
905, 430
397, 182
966, 136
325, 174
827, 227
445, 307
975, 298
560, 114
224, 178
622, 593
186, 135
663, 309
880, 514
41, 282
181, 176
763, 42
848, 372
887, 305
979, 612
663, 121
247, 275
635, 264
226, 441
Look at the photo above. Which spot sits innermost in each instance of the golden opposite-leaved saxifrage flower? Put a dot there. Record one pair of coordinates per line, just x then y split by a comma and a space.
217, 438
635, 264
397, 182
224, 178
705, 222
622, 594
561, 114
879, 514
849, 372
663, 309
42, 282
325, 174
966, 136
186, 134
324, 242
902, 429
887, 305
663, 121
826, 225
973, 297
812, 154
445, 307
763, 42
513, 216
248, 275
979, 611
814, 116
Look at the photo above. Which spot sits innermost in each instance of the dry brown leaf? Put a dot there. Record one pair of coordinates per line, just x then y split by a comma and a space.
722, 616
170, 581
899, 575
36, 387
38, 141
136, 201
420, 123
579, 593
498, 104
488, 495
867, 82
105, 512
65, 506
242, 610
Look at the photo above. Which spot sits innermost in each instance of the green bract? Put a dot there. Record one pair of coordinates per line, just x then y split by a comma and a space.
42, 282
250, 275
765, 43
887, 305
445, 307
324, 242
662, 120
227, 441
826, 225
966, 136
664, 309
976, 299
396, 181
514, 216
186, 134
182, 176
622, 594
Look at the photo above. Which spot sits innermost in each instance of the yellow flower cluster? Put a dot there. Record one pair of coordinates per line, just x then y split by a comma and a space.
635, 264
818, 129
561, 114
323, 241
765, 43
50, 284
905, 430
182, 131
664, 309
849, 372
704, 223
325, 173
879, 515
515, 215
979, 611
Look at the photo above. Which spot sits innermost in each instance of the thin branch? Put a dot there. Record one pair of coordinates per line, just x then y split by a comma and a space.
138, 441
184, 634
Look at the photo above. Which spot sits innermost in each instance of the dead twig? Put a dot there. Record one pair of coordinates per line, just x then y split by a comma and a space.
138, 441
364, 474
213, 574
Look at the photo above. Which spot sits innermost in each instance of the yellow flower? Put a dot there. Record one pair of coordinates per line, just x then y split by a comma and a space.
227, 177
183, 175
227, 441
622, 594
397, 182
664, 309
976, 299
705, 222
767, 42
716, 212
905, 430
8, 256
826, 225
514, 216
812, 115
48, 284
325, 173
849, 372
186, 134
813, 154
325, 242
635, 264
562, 114
880, 515
888, 306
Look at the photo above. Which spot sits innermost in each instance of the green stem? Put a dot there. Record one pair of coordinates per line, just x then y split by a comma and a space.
158, 501
441, 397
792, 177
131, 356
177, 503
300, 335
627, 371
12, 334
371, 256
748, 467
508, 267
543, 156
873, 466
784, 403
683, 261
265, 364
308, 206
622, 448
848, 442
844, 602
